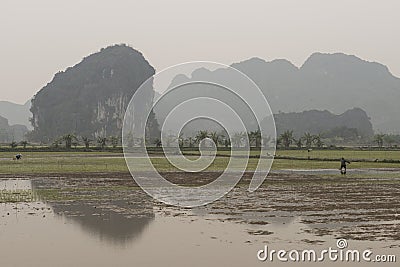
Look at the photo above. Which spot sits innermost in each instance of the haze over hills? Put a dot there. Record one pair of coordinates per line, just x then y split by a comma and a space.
15, 113
350, 126
354, 122
91, 97
10, 133
334, 82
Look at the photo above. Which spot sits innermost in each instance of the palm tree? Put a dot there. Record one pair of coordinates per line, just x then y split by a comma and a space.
24, 143
378, 138
13, 144
86, 141
181, 140
287, 138
255, 138
309, 139
299, 142
227, 142
68, 138
237, 139
114, 141
317, 140
190, 141
57, 142
215, 137
277, 141
102, 141
200, 136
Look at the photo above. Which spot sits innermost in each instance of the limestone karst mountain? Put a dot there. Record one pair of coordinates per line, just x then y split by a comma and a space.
90, 98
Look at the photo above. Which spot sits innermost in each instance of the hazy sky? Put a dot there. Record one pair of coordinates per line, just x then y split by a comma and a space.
41, 37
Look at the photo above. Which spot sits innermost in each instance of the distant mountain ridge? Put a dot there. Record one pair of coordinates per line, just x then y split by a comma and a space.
16, 113
335, 82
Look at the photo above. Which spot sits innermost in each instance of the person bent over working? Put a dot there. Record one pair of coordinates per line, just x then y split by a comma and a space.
18, 157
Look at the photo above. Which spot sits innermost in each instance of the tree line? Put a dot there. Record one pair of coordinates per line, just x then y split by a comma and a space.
255, 139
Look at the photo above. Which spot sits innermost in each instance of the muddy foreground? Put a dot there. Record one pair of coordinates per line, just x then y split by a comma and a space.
104, 219
356, 208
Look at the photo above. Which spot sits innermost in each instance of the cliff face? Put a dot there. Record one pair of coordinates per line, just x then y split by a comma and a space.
90, 98
11, 133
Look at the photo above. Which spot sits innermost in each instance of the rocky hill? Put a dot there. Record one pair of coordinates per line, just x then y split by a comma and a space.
334, 82
324, 122
10, 133
90, 98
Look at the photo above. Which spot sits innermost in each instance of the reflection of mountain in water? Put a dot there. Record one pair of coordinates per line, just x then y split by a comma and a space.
114, 220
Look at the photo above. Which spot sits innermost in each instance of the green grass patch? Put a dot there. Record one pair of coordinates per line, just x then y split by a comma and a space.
72, 162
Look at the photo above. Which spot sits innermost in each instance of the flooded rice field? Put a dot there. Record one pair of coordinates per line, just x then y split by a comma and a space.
104, 219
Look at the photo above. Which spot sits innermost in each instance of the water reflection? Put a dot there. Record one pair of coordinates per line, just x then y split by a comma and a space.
117, 221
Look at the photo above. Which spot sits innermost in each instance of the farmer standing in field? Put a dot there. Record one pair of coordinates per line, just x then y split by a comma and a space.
343, 167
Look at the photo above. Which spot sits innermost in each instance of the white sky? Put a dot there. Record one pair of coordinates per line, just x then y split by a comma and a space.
41, 37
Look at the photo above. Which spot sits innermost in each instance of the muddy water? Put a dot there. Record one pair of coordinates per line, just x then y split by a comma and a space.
103, 221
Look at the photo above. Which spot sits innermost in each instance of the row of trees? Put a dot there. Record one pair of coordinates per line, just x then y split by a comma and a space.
255, 139
70, 140
389, 139
14, 144
239, 139
286, 139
